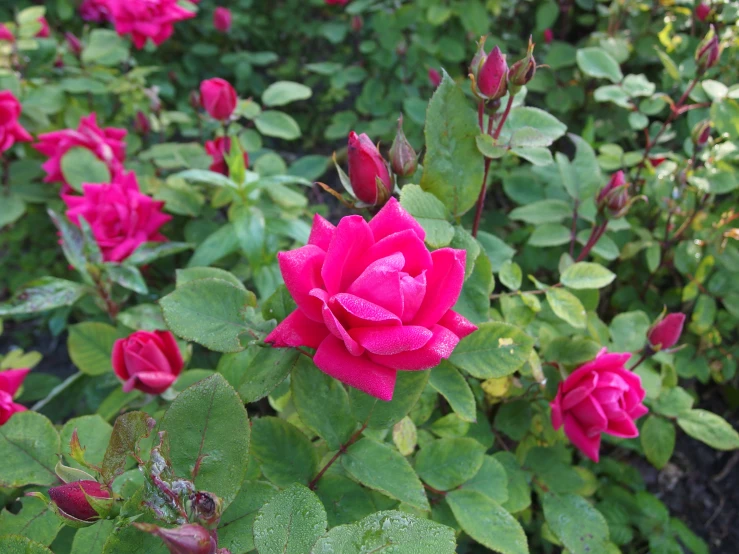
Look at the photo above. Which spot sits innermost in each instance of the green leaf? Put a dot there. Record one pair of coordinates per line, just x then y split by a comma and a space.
91, 540
94, 435
279, 305
285, 454
290, 523
537, 155
345, 500
596, 62
127, 276
519, 491
381, 467
210, 312
284, 92
35, 520
525, 120
510, 275
587, 275
550, 234
448, 381
453, 167
489, 148
322, 403
487, 522
447, 463
405, 436
43, 295
581, 528
265, 371
494, 350
194, 273
474, 301
383, 415
567, 306
29, 450
16, 544
629, 331
514, 419
208, 432
463, 240
707, 427
491, 480
277, 124
235, 530
13, 207
658, 440
430, 213
80, 165
128, 430
105, 47
151, 251
90, 346
388, 531
543, 211
673, 402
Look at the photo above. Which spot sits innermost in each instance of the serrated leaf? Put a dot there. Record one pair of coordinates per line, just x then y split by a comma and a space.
567, 306
448, 381
495, 350
709, 428
448, 462
587, 275
658, 440
581, 528
29, 449
285, 454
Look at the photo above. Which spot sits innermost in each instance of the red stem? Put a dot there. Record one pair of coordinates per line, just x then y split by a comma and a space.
595, 235
342, 450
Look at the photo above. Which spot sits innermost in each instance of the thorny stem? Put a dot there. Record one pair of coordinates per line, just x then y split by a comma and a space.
495, 135
342, 450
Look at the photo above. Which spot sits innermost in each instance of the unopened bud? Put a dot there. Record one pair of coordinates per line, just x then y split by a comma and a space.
74, 44
708, 52
702, 11
614, 197
548, 36
186, 539
701, 133
368, 171
489, 73
141, 123
403, 158
666, 331
523, 70
357, 23
81, 501
434, 77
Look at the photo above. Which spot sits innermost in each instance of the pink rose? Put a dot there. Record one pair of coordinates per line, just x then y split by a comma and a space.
218, 98
666, 332
222, 19
149, 361
10, 130
147, 19
5, 34
10, 381
97, 11
45, 32
601, 396
107, 144
121, 217
366, 167
72, 499
216, 149
372, 299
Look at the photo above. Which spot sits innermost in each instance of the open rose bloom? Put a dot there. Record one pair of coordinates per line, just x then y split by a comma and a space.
149, 361
147, 19
10, 381
372, 299
601, 396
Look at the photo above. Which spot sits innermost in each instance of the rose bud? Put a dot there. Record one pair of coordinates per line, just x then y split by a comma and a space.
708, 51
141, 123
11, 130
548, 36
357, 23
218, 98
403, 158
74, 44
186, 539
149, 361
217, 149
434, 77
45, 32
72, 500
701, 133
702, 11
523, 70
222, 19
489, 73
10, 381
666, 331
5, 34
615, 195
601, 396
368, 171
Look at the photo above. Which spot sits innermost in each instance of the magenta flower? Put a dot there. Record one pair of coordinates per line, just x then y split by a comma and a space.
71, 499
218, 98
147, 19
121, 217
372, 299
216, 149
666, 332
5, 34
222, 19
10, 381
601, 396
45, 32
149, 361
11, 130
107, 144
368, 171
97, 11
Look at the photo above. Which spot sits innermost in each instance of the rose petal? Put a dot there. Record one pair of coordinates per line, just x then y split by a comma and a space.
387, 341
584, 388
358, 372
351, 239
603, 362
457, 324
301, 271
12, 379
298, 330
440, 346
380, 283
321, 233
118, 360
171, 350
623, 428
556, 407
152, 353
337, 329
392, 218
413, 290
443, 285
136, 364
358, 312
589, 446
590, 416
150, 383
417, 256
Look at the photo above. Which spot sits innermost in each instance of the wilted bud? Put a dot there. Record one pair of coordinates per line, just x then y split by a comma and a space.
708, 51
523, 70
74, 44
665, 332
615, 195
489, 73
368, 171
548, 36
434, 77
206, 508
81, 501
187, 539
702, 11
403, 158
701, 133
141, 123
357, 23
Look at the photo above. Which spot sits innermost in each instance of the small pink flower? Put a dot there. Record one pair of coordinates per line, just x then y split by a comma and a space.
218, 98
10, 381
548, 36
147, 19
702, 11
368, 171
222, 19
666, 332
216, 149
121, 217
45, 32
601, 396
434, 77
5, 34
97, 11
149, 361
107, 144
372, 299
71, 499
11, 130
